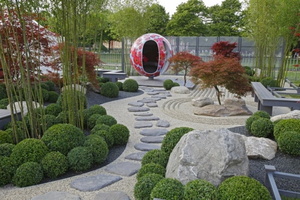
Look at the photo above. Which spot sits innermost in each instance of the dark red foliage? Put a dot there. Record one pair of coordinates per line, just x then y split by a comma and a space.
225, 49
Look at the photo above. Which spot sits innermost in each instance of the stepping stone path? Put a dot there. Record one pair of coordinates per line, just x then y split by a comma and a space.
153, 130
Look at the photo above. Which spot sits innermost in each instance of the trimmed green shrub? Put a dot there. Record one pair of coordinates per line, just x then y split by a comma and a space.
53, 96
269, 81
242, 187
168, 84
78, 95
130, 85
199, 190
98, 147
6, 149
285, 125
156, 156
120, 133
168, 188
249, 71
4, 102
250, 120
95, 109
172, 138
50, 120
62, 117
80, 159
262, 127
175, 84
151, 168
120, 85
29, 150
262, 114
110, 90
51, 85
29, 173
144, 186
99, 127
107, 136
5, 137
44, 86
7, 170
103, 79
63, 138
45, 95
20, 133
107, 120
91, 122
54, 164
53, 109
289, 141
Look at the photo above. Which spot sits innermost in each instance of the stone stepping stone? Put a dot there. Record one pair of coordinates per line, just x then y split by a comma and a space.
152, 93
163, 123
115, 195
153, 132
142, 124
123, 168
152, 105
143, 114
146, 146
57, 196
146, 118
161, 96
159, 89
136, 156
147, 100
138, 109
92, 183
136, 104
152, 139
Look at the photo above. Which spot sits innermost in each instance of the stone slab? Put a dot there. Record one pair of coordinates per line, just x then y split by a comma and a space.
92, 183
147, 118
142, 124
152, 105
138, 109
147, 100
153, 132
57, 195
152, 93
136, 156
163, 123
161, 96
152, 139
115, 195
123, 168
143, 114
136, 104
146, 147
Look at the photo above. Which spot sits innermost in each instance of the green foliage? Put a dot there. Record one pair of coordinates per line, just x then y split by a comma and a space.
91, 122
110, 90
7, 170
250, 120
53, 96
45, 86
175, 84
285, 125
289, 141
242, 187
262, 127
102, 79
63, 138
156, 156
168, 188
45, 95
120, 85
144, 186
107, 136
199, 190
95, 109
172, 138
5, 137
29, 150
107, 120
53, 109
151, 168
249, 71
98, 147
51, 85
62, 117
6, 149
29, 173
168, 84
3, 94
156, 19
80, 159
130, 85
120, 133
99, 127
262, 113
54, 164
4, 103
50, 120
269, 81
78, 95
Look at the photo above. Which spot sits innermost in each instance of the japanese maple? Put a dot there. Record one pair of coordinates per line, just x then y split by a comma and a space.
225, 49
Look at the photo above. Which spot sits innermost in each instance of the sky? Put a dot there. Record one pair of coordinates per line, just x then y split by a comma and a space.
171, 7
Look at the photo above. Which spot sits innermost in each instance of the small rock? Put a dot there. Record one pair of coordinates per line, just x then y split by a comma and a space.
152, 105
146, 118
154, 132
136, 104
235, 102
295, 114
202, 101
163, 123
142, 124
180, 90
138, 109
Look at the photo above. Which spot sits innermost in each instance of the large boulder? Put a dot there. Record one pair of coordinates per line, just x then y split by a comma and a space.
222, 110
180, 90
202, 101
212, 155
295, 114
234, 102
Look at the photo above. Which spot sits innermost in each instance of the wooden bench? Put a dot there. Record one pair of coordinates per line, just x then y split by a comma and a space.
266, 100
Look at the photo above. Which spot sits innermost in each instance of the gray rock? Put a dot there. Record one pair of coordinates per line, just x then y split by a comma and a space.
146, 147
180, 90
114, 195
136, 156
163, 123
138, 109
295, 114
92, 183
202, 101
142, 124
161, 96
147, 118
222, 111
212, 155
154, 132
143, 114
152, 139
123, 168
153, 93
147, 100
152, 105
234, 102
136, 104
56, 195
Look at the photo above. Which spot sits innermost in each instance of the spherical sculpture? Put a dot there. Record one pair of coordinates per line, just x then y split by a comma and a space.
149, 55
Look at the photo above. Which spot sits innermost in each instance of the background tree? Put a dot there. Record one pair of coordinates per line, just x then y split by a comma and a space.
156, 19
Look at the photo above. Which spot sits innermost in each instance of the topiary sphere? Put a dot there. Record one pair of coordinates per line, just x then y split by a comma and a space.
143, 188
29, 173
199, 189
285, 125
63, 138
168, 84
168, 188
96, 109
107, 136
172, 138
51, 85
19, 135
250, 120
289, 141
110, 90
77, 98
120, 133
120, 85
156, 156
44, 86
130, 85
91, 122
53, 109
5, 137
262, 114
242, 187
80, 159
29, 150
262, 127
151, 168
53, 96
7, 170
54, 164
45, 95
107, 120
6, 149
99, 127
98, 147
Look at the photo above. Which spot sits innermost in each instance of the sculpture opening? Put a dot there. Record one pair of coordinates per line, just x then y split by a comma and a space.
150, 56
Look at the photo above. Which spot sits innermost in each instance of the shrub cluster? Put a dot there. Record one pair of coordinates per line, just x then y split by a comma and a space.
76, 95
144, 186
98, 147
54, 164
29, 173
7, 170
168, 188
100, 127
156, 156
80, 159
107, 136
5, 137
289, 142
91, 122
130, 85
285, 125
6, 149
120, 134
107, 120
199, 189
110, 90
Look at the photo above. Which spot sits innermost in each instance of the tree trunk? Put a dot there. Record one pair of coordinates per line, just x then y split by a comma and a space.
218, 94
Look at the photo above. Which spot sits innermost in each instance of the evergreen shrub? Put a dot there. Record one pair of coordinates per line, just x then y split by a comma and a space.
53, 96
99, 127
289, 142
6, 149
168, 84
29, 173
120, 85
168, 188
5, 137
156, 156
91, 122
54, 164
144, 186
262, 127
120, 133
80, 159
130, 85
110, 90
199, 189
53, 109
98, 147
7, 170
250, 120
107, 136
262, 114
151, 168
285, 125
107, 120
